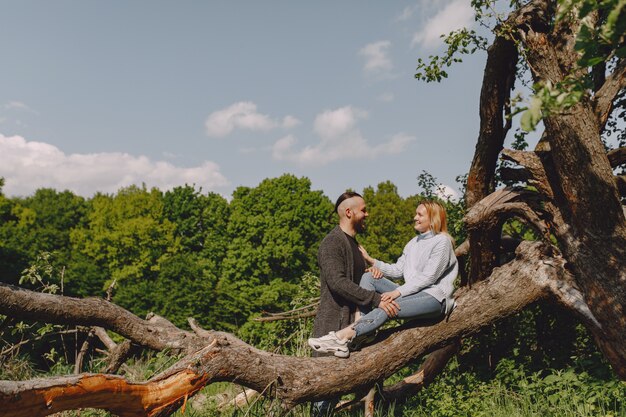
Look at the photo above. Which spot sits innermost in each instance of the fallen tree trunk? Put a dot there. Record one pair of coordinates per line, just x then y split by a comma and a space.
532, 276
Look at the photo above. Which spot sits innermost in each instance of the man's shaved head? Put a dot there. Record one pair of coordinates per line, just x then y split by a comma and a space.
350, 207
342, 201
349, 203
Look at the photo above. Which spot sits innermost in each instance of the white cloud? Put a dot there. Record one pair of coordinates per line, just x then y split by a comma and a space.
455, 15
289, 122
16, 105
407, 13
445, 192
243, 115
396, 144
339, 139
332, 123
376, 57
28, 165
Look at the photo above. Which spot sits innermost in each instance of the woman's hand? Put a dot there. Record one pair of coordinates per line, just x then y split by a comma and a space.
367, 257
376, 273
391, 308
390, 295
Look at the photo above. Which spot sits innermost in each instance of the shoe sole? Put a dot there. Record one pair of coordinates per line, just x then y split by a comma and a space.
338, 353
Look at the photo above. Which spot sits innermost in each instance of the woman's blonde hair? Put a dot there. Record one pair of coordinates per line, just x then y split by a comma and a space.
437, 215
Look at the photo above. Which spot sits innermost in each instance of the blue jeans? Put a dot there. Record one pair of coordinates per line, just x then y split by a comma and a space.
418, 305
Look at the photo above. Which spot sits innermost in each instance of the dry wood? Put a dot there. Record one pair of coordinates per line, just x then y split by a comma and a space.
83, 351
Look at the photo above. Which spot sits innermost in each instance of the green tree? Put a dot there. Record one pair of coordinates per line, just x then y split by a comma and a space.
274, 231
14, 223
200, 221
127, 236
191, 276
36, 224
390, 221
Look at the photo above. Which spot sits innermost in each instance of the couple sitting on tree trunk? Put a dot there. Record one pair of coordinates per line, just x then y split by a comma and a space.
349, 311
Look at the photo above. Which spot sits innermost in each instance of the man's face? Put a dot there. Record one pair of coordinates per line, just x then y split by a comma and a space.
358, 213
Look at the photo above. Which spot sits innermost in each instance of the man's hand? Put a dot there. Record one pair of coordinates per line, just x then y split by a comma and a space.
366, 256
390, 307
390, 295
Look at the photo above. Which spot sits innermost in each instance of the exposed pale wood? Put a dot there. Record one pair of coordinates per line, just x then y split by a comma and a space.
108, 392
101, 333
369, 403
241, 400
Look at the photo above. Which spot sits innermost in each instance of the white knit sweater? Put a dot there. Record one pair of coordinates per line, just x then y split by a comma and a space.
427, 263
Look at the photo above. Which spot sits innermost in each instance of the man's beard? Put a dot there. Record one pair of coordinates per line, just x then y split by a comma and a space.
360, 226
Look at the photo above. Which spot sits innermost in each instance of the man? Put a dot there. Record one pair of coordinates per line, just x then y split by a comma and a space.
341, 267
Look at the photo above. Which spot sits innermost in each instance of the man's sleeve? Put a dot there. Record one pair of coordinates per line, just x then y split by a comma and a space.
333, 268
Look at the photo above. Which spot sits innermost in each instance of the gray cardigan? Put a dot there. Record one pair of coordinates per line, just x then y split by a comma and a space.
339, 288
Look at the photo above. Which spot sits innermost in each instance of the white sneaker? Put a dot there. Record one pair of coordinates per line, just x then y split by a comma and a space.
330, 343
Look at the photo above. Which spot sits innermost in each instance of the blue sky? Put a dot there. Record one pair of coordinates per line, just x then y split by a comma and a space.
97, 95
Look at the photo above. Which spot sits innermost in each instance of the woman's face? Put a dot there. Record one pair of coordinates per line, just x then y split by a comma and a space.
422, 221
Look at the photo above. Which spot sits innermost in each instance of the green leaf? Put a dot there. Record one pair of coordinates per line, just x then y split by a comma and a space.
532, 116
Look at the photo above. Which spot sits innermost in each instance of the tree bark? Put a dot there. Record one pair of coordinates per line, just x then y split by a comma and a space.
498, 80
156, 334
592, 235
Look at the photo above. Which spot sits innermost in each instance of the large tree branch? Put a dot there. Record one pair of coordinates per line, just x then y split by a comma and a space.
511, 287
490, 212
534, 174
498, 81
532, 162
156, 334
604, 99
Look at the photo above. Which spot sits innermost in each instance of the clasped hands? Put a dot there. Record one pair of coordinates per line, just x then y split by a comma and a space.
388, 303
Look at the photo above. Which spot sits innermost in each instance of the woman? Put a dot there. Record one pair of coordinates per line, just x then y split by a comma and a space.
429, 268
